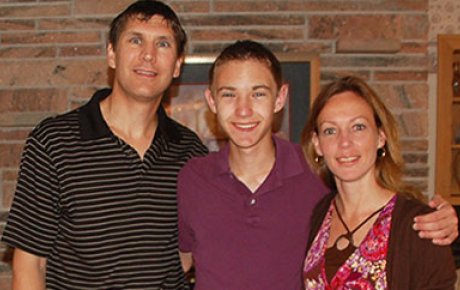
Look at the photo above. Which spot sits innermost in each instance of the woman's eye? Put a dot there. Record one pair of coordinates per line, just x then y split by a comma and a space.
359, 127
328, 131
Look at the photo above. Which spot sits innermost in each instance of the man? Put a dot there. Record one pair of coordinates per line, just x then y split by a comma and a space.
244, 212
95, 205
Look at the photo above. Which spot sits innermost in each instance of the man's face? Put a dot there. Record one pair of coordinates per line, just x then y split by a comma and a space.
145, 59
245, 97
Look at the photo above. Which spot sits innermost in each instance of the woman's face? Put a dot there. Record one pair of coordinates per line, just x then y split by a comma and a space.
348, 137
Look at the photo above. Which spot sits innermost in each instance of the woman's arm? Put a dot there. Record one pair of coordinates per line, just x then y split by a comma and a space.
414, 263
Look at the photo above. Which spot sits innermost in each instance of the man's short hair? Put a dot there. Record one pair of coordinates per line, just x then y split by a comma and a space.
144, 10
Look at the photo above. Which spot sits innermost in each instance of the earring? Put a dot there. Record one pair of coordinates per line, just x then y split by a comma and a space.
381, 152
318, 159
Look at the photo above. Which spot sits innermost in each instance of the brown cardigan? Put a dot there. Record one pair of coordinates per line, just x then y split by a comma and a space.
412, 263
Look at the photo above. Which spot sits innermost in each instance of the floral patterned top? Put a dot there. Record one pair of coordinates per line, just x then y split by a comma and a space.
365, 269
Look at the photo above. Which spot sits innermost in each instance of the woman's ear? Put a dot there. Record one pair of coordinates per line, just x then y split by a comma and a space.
317, 146
382, 139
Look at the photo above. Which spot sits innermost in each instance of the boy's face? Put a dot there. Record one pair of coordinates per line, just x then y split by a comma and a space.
245, 97
145, 59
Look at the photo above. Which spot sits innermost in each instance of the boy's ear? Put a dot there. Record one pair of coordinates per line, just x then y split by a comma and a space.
281, 98
210, 100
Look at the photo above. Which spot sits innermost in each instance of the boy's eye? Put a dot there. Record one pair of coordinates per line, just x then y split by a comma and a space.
227, 94
259, 94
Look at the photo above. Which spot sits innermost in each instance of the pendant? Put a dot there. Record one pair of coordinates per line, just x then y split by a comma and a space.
344, 241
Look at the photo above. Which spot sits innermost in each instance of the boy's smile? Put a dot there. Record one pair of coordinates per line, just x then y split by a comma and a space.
244, 95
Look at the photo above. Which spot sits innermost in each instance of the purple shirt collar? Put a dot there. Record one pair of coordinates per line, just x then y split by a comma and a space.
287, 164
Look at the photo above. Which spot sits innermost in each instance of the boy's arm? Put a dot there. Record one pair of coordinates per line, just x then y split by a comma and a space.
441, 226
28, 271
187, 261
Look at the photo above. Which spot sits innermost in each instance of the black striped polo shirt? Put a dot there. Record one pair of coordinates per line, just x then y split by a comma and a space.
103, 217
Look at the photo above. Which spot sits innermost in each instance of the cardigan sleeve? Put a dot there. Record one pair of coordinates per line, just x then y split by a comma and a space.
415, 263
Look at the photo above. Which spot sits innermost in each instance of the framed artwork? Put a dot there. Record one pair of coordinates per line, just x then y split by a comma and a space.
185, 101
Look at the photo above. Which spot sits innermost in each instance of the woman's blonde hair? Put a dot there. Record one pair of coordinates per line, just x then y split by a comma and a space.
389, 166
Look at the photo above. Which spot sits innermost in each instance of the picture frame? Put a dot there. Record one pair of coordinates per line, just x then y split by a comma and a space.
185, 101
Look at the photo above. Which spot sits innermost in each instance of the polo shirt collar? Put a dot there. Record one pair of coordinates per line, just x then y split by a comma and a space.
287, 163
93, 125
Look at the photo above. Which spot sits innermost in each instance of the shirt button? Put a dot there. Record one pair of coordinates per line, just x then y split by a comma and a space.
253, 201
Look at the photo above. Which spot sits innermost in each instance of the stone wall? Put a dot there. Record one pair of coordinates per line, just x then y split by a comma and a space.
52, 57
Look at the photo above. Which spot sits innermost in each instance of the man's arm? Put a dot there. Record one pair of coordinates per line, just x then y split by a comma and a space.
441, 226
28, 271
187, 261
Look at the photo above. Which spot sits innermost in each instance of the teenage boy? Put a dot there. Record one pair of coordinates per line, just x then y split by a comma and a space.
244, 212
95, 205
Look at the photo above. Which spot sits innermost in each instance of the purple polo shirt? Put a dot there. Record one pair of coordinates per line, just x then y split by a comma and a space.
242, 240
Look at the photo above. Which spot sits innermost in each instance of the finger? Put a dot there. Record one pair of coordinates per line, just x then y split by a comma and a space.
433, 221
436, 201
449, 233
422, 227
444, 212
446, 224
445, 241
434, 234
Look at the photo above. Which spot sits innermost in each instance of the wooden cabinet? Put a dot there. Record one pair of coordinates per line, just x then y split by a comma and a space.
448, 120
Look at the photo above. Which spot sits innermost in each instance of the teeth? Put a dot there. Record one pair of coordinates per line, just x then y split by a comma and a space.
246, 126
347, 159
144, 72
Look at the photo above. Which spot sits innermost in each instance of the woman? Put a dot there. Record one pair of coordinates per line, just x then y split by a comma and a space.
362, 231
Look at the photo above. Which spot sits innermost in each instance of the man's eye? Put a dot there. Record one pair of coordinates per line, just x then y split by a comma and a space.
135, 40
164, 44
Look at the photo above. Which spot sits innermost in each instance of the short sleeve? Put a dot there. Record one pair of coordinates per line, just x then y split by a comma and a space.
184, 203
33, 217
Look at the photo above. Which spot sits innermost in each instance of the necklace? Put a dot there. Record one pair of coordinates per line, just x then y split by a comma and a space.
348, 236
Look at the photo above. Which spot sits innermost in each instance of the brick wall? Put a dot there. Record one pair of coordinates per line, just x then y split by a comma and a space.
52, 59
